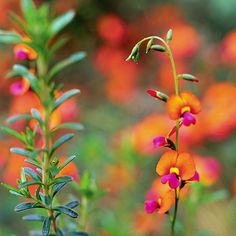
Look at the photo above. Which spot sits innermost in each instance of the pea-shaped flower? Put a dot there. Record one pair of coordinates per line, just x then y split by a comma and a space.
174, 167
162, 204
184, 105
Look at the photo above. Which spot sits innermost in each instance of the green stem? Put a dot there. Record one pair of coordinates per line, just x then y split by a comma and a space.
175, 213
84, 214
46, 135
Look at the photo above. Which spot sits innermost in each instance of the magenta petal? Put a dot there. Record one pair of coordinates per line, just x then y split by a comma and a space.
165, 178
173, 181
150, 206
159, 141
195, 177
188, 119
16, 88
21, 55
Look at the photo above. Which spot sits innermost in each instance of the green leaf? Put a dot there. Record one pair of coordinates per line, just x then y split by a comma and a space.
70, 125
31, 173
10, 37
59, 232
14, 133
29, 10
58, 187
66, 211
29, 183
33, 162
56, 46
23, 152
63, 179
72, 204
36, 114
11, 188
15, 118
17, 20
65, 96
33, 218
60, 142
16, 193
24, 72
76, 57
26, 205
60, 22
46, 226
66, 162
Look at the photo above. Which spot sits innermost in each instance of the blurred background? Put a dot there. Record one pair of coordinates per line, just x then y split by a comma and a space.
121, 119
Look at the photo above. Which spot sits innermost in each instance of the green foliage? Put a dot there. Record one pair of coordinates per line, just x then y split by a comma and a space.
41, 30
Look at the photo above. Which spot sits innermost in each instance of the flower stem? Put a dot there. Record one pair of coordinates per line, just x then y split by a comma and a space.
46, 136
175, 213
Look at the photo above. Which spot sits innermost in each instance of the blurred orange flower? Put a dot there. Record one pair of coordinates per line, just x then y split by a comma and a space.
145, 130
112, 29
219, 110
208, 168
228, 48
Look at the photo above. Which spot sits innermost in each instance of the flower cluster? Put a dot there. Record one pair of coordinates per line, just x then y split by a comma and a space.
175, 168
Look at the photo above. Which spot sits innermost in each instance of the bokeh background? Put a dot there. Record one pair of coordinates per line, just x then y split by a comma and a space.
121, 120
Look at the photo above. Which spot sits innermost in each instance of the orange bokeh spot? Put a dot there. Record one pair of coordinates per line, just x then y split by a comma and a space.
112, 29
144, 132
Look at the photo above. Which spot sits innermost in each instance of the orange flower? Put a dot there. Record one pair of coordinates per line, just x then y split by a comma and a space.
175, 167
24, 52
183, 105
160, 198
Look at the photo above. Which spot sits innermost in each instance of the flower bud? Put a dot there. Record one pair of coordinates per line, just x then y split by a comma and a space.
157, 94
169, 35
158, 48
188, 77
149, 44
134, 55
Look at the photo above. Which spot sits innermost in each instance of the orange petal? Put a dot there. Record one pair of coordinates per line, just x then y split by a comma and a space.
167, 200
167, 160
186, 166
192, 101
174, 105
